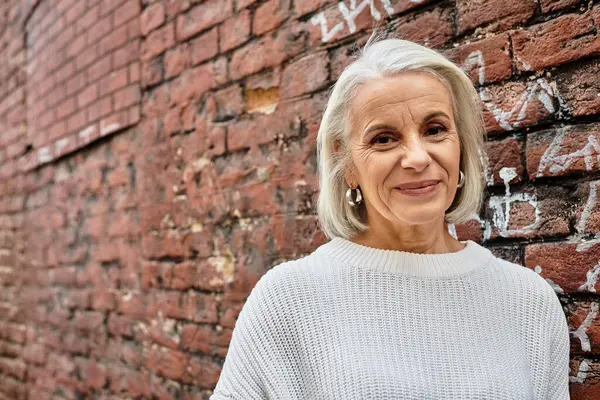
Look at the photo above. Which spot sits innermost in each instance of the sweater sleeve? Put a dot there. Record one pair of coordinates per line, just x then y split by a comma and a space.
244, 374
558, 379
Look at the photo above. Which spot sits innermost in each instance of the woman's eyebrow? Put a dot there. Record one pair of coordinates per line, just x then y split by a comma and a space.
378, 127
435, 114
427, 117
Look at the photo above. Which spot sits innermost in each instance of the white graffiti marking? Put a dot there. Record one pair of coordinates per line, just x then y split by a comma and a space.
540, 89
501, 208
558, 163
349, 15
584, 367
589, 206
580, 333
591, 279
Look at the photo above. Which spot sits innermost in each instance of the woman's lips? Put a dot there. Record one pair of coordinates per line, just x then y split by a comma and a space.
422, 191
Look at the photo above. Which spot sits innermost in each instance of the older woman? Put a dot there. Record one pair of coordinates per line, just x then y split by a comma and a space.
393, 306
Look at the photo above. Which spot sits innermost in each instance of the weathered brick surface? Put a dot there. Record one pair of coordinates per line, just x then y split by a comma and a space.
158, 157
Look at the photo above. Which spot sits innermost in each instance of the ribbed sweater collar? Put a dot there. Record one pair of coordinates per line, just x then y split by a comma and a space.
444, 265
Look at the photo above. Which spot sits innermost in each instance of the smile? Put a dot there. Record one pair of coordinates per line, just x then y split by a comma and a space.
421, 192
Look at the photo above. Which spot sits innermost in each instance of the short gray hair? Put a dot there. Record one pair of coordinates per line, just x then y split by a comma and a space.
390, 57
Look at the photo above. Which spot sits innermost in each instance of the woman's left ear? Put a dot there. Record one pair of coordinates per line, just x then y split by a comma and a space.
350, 179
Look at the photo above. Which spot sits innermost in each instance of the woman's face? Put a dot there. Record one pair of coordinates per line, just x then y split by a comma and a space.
403, 131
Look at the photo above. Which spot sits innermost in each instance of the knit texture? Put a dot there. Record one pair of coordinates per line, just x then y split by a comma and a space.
354, 322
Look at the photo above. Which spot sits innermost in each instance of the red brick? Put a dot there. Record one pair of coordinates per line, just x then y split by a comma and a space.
431, 29
485, 61
555, 5
116, 80
546, 215
270, 15
306, 6
88, 321
66, 108
199, 307
99, 30
73, 85
151, 72
229, 103
115, 39
103, 300
336, 26
133, 29
305, 75
129, 10
76, 46
203, 16
66, 71
126, 97
112, 123
194, 82
502, 14
517, 105
582, 318
166, 362
172, 122
563, 263
157, 42
77, 121
580, 89
235, 30
87, 20
563, 151
265, 52
134, 72
126, 54
243, 4
504, 154
176, 60
162, 245
152, 17
88, 95
87, 57
204, 47
74, 11
99, 68
99, 109
587, 215
556, 42
92, 373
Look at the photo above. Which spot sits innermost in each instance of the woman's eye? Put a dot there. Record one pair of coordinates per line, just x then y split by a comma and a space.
437, 129
382, 139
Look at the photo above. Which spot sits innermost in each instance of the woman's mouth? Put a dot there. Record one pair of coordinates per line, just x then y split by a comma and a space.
422, 191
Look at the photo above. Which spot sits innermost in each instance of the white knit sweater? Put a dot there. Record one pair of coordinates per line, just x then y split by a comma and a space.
355, 322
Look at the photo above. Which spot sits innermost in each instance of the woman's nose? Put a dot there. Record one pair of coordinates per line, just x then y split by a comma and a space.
415, 155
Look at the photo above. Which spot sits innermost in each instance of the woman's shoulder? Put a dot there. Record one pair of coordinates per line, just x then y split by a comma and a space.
517, 274
301, 268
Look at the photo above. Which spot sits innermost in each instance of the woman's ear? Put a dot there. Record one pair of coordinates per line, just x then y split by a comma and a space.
350, 181
336, 146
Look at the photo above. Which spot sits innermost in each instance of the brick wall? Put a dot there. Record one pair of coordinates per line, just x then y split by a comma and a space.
158, 156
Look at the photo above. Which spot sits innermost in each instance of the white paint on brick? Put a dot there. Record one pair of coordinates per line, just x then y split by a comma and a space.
581, 332
84, 135
44, 155
110, 128
349, 13
501, 208
582, 373
559, 163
